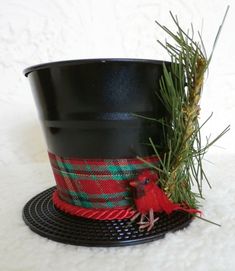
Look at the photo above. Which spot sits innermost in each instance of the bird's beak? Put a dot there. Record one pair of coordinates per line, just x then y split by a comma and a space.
133, 184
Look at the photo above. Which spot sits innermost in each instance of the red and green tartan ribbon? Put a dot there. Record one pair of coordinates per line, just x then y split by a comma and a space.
95, 184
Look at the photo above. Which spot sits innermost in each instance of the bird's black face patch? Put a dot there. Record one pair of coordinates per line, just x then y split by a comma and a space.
139, 191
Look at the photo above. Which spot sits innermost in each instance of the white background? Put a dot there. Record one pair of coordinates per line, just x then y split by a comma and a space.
33, 32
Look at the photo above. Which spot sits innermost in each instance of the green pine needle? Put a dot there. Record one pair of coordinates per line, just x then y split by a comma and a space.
181, 84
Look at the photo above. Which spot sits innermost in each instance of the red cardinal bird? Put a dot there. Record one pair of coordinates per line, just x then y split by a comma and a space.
150, 198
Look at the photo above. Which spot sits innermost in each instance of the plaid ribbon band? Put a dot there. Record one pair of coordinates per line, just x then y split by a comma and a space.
96, 183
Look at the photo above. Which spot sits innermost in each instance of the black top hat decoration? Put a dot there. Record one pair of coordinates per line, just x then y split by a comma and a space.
124, 145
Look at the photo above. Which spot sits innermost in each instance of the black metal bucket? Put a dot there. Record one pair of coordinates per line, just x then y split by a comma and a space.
86, 106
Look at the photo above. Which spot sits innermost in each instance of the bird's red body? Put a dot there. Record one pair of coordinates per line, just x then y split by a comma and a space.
148, 195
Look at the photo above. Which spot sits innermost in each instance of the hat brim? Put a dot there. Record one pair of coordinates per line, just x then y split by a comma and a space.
45, 219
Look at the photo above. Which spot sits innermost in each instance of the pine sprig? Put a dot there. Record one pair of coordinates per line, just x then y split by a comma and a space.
181, 87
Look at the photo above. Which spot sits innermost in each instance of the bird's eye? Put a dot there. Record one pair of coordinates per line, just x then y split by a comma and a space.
146, 181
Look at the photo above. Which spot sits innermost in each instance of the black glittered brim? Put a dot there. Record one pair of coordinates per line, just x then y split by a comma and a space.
44, 218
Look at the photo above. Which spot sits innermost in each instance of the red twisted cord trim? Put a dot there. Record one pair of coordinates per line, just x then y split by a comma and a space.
100, 214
